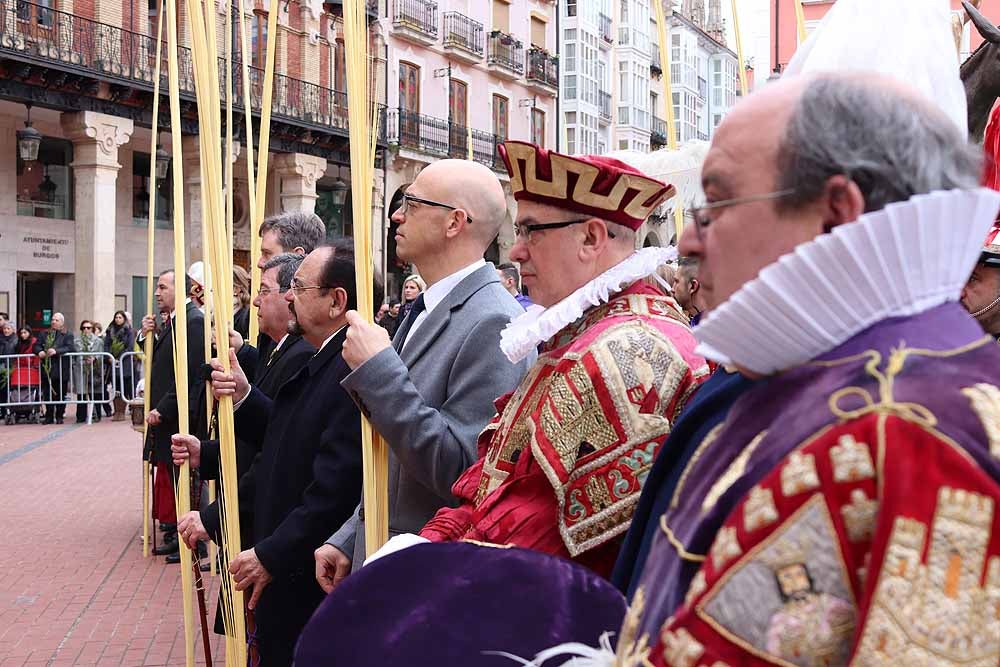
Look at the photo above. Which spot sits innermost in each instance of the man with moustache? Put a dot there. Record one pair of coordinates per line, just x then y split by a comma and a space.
307, 479
981, 295
430, 390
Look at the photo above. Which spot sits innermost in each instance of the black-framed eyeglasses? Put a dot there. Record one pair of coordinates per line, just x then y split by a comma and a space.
523, 231
701, 212
298, 288
410, 199
87, 328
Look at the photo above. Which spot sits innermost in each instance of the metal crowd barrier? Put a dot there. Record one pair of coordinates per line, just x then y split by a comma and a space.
28, 382
129, 375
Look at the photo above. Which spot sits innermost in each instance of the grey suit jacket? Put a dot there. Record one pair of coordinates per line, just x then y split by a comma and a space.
431, 401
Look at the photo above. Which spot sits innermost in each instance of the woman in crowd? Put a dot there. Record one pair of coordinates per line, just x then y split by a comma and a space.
241, 301
412, 287
119, 339
8, 346
88, 373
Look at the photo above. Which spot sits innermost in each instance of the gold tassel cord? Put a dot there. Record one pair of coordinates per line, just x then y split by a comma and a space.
147, 359
362, 125
182, 490
668, 102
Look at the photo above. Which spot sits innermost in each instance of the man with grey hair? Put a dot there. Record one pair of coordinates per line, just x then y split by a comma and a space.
295, 231
52, 348
870, 434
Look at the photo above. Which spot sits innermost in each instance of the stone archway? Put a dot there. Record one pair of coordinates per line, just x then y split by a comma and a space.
651, 240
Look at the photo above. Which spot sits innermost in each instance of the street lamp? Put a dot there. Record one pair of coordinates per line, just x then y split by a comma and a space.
162, 162
338, 190
28, 140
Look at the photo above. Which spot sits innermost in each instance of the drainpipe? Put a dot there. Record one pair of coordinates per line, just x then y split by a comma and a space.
559, 118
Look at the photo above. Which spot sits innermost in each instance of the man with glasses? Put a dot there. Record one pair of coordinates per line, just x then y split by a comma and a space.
430, 390
307, 479
567, 453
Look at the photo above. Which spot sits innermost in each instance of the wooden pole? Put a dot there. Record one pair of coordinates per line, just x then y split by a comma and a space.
182, 492
739, 52
668, 101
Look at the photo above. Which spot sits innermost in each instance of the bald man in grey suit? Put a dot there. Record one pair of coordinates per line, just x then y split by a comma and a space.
431, 390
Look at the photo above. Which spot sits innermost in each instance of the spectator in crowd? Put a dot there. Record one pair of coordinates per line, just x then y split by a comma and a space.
389, 317
241, 301
295, 231
119, 339
687, 287
510, 278
52, 349
413, 287
88, 373
8, 346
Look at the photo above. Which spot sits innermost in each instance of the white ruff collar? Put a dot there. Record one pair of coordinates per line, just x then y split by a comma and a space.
903, 260
525, 332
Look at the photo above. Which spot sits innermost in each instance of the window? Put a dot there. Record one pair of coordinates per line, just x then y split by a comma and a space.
623, 144
501, 15
571, 87
500, 123
570, 7
140, 193
45, 186
538, 127
537, 32
569, 58
339, 79
36, 12
409, 104
258, 38
624, 15
458, 109
571, 140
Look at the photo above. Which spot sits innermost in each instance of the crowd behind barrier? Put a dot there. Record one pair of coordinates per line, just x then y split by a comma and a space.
30, 386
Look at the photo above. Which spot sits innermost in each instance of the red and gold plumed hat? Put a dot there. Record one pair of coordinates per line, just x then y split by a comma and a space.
589, 184
991, 179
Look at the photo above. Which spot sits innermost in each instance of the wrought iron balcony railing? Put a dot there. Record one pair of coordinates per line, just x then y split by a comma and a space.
604, 102
463, 32
440, 137
506, 52
417, 15
658, 136
605, 25
69, 42
543, 67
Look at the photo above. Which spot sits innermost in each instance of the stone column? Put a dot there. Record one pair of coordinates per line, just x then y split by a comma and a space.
298, 174
96, 138
191, 161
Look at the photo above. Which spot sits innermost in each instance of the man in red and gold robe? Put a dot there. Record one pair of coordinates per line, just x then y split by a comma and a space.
562, 464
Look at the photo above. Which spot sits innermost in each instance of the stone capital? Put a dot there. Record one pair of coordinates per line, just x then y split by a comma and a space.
96, 137
307, 167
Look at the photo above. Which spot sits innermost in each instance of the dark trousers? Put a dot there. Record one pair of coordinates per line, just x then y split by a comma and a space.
53, 389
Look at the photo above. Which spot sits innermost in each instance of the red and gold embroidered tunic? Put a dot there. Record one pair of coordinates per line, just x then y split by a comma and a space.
562, 464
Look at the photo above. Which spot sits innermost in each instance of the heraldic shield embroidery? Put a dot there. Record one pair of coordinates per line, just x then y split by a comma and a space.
943, 609
789, 599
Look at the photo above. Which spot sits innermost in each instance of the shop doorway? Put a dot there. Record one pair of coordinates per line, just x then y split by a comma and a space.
34, 300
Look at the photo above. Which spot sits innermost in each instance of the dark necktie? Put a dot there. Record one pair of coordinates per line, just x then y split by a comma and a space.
270, 359
411, 317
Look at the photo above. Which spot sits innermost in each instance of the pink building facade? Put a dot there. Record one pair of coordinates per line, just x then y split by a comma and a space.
462, 76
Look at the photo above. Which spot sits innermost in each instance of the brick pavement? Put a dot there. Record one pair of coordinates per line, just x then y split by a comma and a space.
74, 587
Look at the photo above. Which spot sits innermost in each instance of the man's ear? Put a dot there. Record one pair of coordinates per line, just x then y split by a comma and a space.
339, 304
694, 286
842, 200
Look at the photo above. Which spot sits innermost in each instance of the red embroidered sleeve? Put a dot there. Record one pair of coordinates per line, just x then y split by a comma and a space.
876, 543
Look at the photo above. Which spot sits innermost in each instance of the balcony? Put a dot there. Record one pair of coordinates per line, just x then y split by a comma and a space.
607, 37
655, 68
658, 135
82, 49
543, 71
604, 102
464, 38
506, 56
415, 20
441, 138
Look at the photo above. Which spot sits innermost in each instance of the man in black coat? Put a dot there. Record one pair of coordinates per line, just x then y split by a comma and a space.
307, 479
52, 348
163, 413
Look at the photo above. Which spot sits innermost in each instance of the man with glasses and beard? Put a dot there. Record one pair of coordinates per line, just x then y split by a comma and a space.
307, 480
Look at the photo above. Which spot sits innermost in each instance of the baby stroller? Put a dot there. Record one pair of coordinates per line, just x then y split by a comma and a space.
24, 389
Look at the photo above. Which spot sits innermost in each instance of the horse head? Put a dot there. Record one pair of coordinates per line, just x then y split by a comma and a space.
981, 73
